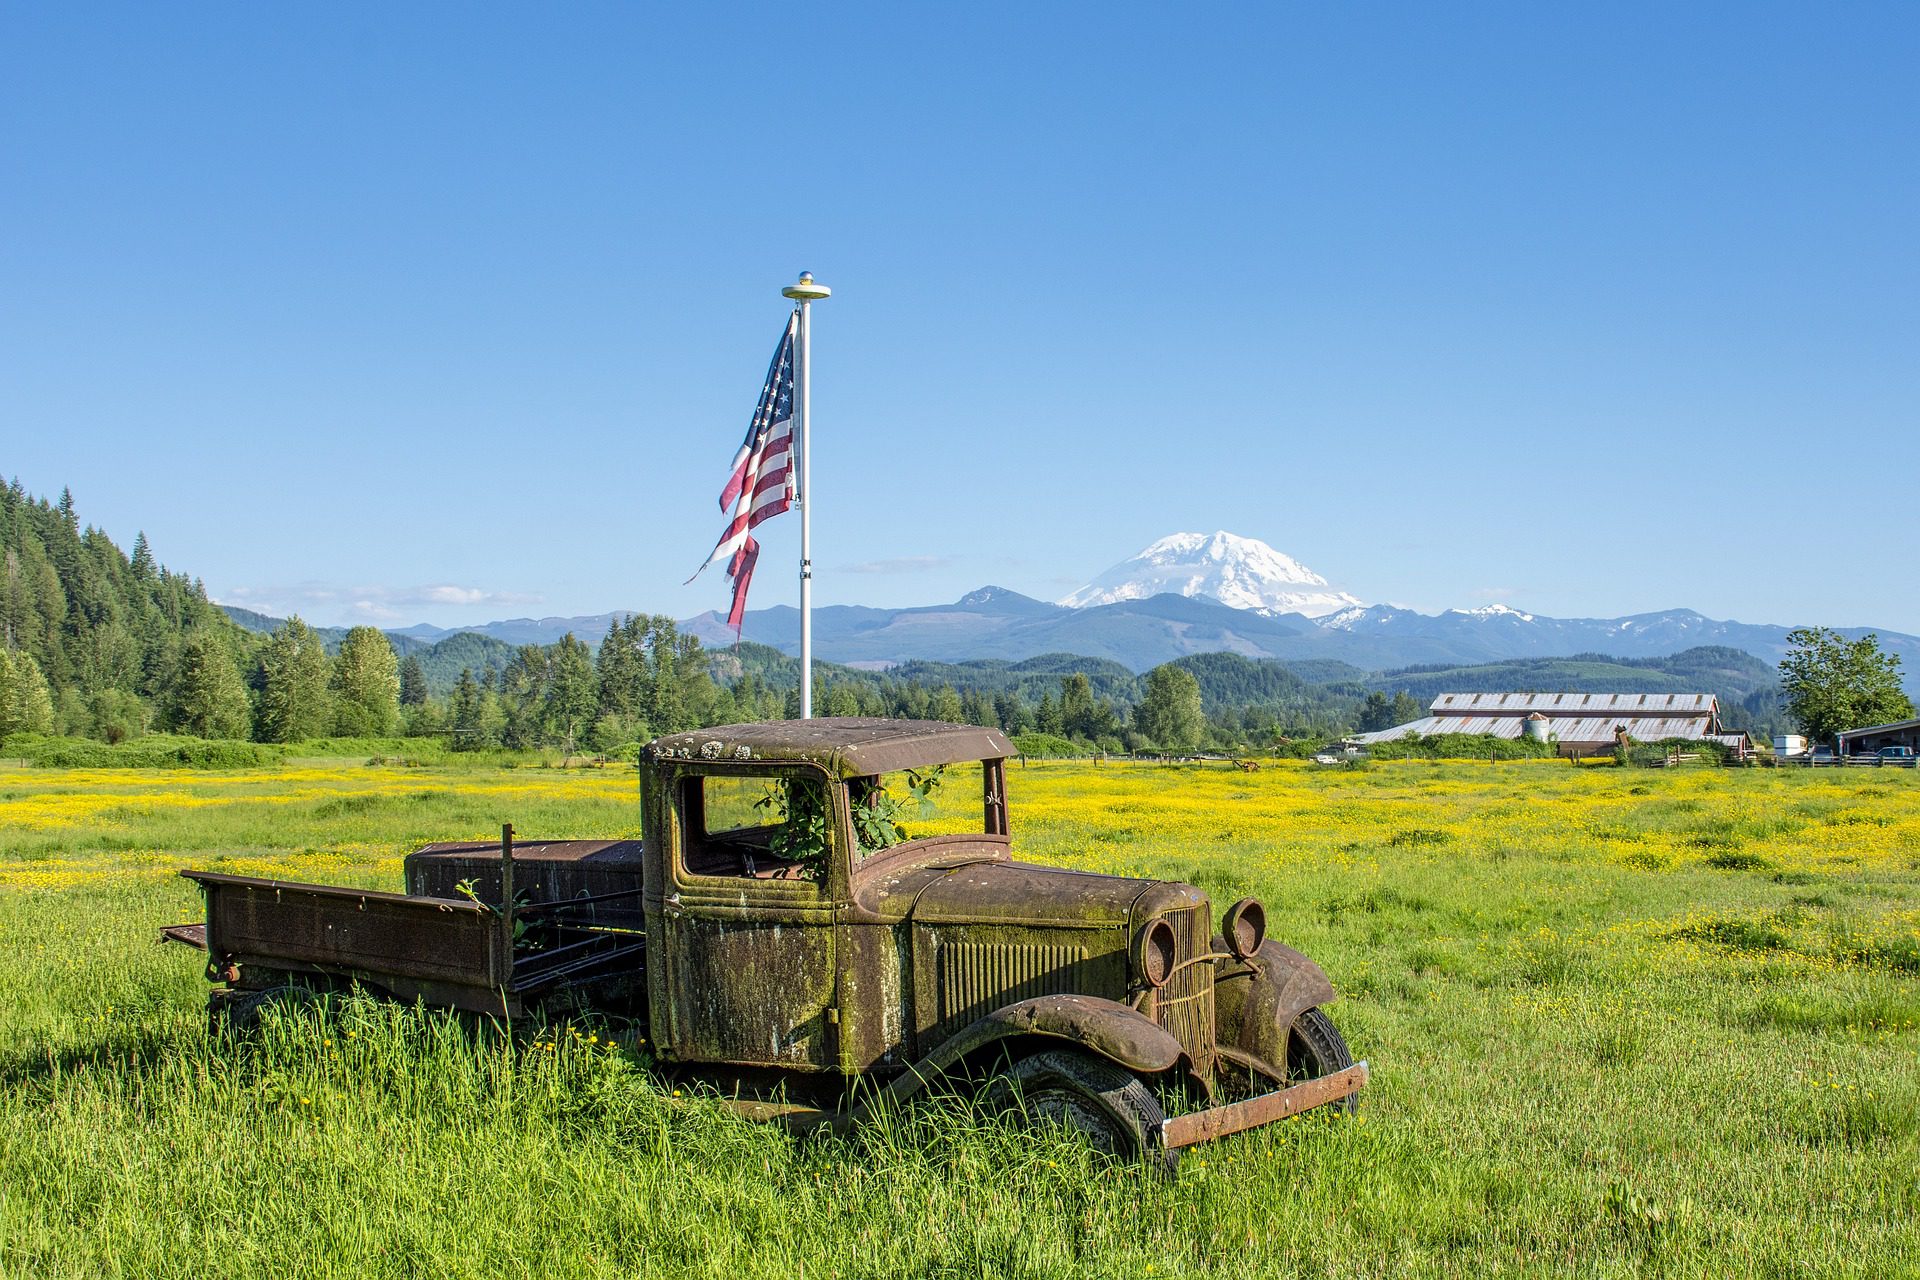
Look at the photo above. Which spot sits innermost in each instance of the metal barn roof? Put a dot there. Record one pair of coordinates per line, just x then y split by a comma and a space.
1848, 735
1573, 704
1570, 717
1587, 728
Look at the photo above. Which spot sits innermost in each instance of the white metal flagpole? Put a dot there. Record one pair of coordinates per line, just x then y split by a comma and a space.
806, 293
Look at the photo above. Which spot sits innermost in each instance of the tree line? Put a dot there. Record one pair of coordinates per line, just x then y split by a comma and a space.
100, 643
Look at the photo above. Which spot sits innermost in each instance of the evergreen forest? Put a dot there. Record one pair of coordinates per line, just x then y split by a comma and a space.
109, 645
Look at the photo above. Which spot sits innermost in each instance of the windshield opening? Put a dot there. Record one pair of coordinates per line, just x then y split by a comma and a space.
890, 809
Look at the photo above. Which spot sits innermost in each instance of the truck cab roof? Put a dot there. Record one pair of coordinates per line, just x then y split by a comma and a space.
845, 746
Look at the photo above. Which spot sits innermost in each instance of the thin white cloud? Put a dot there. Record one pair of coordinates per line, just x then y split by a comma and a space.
377, 603
900, 564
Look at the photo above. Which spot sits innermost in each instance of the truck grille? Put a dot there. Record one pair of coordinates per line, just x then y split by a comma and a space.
978, 977
1185, 1005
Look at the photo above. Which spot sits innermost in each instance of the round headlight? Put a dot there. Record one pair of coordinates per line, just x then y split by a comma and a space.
1158, 953
1245, 928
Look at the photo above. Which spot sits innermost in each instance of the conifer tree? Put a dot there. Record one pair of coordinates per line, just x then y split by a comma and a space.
142, 563
294, 699
209, 699
413, 681
466, 712
523, 697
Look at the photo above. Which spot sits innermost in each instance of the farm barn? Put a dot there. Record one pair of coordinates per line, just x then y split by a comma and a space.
1582, 724
1901, 733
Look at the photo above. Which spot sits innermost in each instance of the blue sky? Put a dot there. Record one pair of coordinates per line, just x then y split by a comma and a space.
453, 312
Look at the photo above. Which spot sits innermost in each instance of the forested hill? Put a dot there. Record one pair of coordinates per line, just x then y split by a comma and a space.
103, 644
441, 661
106, 631
1248, 699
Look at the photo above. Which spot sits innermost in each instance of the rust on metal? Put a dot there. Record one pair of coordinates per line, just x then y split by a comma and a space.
192, 935
507, 887
596, 881
752, 943
1236, 1117
848, 746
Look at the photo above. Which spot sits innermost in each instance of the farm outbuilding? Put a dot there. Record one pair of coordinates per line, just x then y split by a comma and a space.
1864, 742
1580, 724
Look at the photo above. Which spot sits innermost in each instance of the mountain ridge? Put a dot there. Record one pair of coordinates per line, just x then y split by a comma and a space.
997, 624
1144, 633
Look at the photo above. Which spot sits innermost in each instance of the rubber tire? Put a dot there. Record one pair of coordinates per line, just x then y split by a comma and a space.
1316, 1048
1112, 1108
240, 1016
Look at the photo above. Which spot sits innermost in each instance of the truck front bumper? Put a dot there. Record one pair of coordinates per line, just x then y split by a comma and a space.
1236, 1117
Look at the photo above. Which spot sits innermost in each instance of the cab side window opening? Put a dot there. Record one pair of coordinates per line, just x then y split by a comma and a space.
764, 828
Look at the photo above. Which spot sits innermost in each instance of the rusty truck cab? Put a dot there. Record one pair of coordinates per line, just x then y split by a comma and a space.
764, 959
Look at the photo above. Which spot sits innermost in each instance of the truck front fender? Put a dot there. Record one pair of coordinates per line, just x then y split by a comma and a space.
1105, 1027
1255, 1002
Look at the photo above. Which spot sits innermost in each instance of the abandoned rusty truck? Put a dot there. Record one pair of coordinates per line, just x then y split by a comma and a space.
804, 928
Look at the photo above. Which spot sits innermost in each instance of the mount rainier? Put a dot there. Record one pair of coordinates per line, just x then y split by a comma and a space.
1241, 573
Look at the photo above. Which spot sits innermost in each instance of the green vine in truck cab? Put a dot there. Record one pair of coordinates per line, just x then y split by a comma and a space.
877, 811
805, 836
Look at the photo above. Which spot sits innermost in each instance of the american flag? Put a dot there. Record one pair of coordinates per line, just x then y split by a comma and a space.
760, 485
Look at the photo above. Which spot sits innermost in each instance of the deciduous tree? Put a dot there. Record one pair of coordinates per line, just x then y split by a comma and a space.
26, 704
572, 689
1831, 683
1169, 713
366, 685
1381, 712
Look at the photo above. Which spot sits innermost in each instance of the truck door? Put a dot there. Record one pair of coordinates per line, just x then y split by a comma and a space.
748, 951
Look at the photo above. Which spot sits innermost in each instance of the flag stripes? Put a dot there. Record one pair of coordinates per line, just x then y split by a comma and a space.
760, 484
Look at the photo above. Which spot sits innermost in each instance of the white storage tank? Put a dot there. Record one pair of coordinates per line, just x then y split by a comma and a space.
1536, 727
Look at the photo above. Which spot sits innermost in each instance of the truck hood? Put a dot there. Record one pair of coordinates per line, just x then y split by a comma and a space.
1027, 893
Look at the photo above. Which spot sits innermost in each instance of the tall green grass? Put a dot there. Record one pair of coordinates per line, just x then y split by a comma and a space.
1583, 1065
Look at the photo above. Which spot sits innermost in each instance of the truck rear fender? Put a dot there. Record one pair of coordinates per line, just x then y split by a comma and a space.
1107, 1028
1255, 1003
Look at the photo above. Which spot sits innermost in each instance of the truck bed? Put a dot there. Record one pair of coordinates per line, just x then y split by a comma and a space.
445, 951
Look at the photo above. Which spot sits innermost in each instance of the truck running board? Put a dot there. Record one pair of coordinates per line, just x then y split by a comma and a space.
1218, 1122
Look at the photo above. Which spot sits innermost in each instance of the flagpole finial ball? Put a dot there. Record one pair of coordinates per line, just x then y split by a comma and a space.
806, 290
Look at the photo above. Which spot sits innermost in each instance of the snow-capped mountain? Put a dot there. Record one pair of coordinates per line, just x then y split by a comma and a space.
1242, 573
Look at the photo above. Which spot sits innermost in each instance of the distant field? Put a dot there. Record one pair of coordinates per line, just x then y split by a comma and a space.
1621, 1022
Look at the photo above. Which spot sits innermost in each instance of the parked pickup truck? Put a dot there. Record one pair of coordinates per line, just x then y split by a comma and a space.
802, 926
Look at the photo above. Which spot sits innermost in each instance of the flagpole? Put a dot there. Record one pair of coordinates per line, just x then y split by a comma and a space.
806, 293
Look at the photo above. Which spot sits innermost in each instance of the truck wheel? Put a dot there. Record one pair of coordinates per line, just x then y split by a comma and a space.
238, 1014
1115, 1112
1315, 1048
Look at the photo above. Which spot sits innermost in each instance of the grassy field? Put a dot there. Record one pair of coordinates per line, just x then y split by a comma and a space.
1621, 1022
